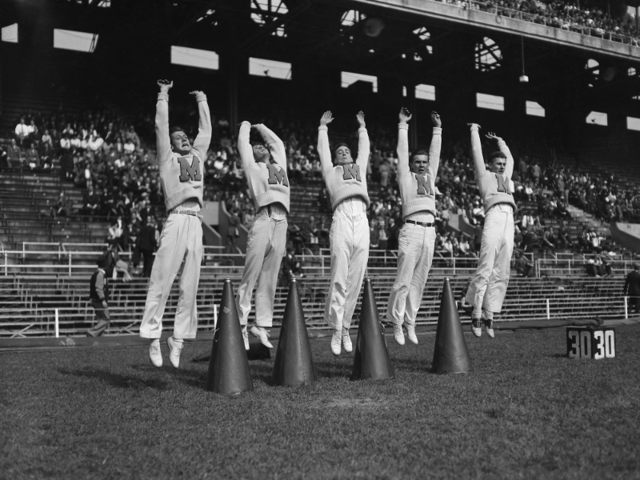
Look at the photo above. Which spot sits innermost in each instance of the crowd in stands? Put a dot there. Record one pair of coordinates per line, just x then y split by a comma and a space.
582, 17
103, 153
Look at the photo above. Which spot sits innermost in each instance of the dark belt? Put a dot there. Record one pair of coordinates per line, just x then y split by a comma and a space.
184, 212
267, 209
422, 224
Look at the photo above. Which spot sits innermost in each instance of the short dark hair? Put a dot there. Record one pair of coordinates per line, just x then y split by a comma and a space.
337, 146
175, 129
495, 155
419, 151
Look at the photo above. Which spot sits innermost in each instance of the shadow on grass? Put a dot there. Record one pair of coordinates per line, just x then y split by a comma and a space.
412, 365
118, 380
339, 367
194, 378
262, 371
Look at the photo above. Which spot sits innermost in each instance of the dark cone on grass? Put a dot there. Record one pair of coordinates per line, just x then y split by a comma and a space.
228, 364
371, 359
450, 354
294, 362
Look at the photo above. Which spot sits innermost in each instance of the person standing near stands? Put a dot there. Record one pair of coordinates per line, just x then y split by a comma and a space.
417, 181
632, 288
181, 173
99, 295
489, 284
265, 166
349, 236
147, 245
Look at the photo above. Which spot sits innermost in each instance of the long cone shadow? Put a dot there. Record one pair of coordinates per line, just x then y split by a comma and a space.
118, 380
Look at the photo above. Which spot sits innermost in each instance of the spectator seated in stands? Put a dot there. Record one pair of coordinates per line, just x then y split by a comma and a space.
530, 240
603, 265
291, 266
548, 239
22, 132
324, 202
14, 155
297, 239
115, 234
563, 239
309, 234
523, 265
62, 207
464, 246
591, 268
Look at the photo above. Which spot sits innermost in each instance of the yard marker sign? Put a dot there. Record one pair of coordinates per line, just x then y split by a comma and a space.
590, 342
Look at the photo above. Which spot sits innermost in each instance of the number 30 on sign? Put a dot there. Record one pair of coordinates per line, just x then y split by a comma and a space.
587, 342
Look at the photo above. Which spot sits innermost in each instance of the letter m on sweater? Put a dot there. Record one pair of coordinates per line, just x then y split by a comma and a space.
351, 171
276, 175
424, 185
189, 173
503, 184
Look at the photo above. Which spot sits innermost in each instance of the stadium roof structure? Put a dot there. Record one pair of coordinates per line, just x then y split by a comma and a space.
400, 42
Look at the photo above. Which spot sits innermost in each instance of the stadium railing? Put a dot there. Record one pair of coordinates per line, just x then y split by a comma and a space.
79, 258
35, 318
543, 20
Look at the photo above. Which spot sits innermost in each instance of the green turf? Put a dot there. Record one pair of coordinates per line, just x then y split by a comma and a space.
526, 411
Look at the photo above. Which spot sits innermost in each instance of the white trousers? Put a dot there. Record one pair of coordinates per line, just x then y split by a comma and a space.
415, 255
266, 246
349, 238
489, 284
181, 239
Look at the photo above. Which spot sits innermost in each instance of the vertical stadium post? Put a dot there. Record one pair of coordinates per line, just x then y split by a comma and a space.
626, 307
57, 324
215, 315
548, 310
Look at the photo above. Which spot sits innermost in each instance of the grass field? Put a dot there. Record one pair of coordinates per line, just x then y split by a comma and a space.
527, 411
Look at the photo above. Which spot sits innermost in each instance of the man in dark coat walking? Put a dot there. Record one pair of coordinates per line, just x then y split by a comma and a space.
632, 288
147, 245
99, 294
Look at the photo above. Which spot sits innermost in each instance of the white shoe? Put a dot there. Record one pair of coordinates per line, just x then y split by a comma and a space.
262, 334
245, 338
336, 342
398, 334
155, 355
411, 333
174, 352
476, 327
489, 326
346, 341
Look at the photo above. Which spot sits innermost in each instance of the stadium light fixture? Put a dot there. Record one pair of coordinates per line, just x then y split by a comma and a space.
523, 78
373, 26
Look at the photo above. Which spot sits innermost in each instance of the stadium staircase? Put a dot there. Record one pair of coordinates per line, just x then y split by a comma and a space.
25, 212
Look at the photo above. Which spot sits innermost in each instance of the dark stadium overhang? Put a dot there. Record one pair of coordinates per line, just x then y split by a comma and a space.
503, 24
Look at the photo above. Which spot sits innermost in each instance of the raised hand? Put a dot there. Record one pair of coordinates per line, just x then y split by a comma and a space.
493, 136
404, 115
327, 118
165, 85
195, 92
435, 119
360, 117
474, 125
